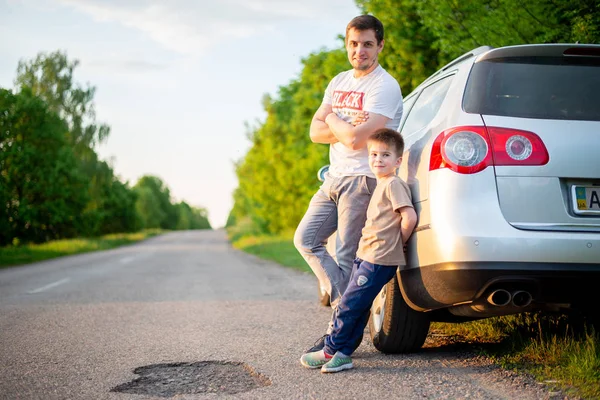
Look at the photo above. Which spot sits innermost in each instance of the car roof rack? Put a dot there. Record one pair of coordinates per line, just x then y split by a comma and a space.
543, 50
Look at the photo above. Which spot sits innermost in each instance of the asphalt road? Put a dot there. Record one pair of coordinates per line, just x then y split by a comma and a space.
77, 327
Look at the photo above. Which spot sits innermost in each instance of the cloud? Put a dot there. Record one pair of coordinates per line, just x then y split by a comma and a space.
191, 27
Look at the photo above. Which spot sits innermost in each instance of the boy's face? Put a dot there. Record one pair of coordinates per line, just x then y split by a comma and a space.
383, 161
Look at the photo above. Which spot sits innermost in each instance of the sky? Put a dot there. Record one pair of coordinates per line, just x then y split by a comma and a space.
177, 81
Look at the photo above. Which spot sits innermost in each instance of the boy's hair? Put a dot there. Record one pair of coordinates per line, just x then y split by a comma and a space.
365, 23
389, 137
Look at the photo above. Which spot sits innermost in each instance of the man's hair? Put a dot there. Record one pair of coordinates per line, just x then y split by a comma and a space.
389, 137
364, 23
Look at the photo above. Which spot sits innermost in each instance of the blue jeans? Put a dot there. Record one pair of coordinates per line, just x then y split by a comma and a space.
340, 204
352, 314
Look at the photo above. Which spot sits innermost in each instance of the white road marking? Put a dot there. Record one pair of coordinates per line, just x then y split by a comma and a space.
137, 257
49, 286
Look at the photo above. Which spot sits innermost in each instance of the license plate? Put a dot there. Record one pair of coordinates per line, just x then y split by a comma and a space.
586, 199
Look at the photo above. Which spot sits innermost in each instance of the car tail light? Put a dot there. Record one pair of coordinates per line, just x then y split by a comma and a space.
470, 149
517, 147
464, 149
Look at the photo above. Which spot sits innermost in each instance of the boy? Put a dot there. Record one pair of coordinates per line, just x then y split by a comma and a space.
391, 219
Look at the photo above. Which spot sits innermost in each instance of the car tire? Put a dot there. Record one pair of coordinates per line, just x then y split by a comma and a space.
394, 326
323, 295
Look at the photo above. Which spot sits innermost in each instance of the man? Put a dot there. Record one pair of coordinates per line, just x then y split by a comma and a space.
357, 102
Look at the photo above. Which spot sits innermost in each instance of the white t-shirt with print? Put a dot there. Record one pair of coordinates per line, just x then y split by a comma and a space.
379, 93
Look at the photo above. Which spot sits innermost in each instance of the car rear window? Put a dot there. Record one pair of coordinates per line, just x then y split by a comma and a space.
536, 87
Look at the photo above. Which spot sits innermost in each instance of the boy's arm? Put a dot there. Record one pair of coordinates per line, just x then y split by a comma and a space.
407, 223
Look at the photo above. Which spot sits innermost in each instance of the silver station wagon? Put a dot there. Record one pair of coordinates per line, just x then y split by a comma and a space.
502, 157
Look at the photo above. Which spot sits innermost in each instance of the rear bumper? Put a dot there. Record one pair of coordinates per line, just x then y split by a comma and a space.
464, 248
443, 285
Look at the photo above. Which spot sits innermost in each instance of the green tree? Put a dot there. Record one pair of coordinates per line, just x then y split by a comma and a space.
154, 203
185, 216
409, 54
192, 218
461, 26
111, 208
200, 218
50, 77
277, 177
43, 192
117, 209
148, 208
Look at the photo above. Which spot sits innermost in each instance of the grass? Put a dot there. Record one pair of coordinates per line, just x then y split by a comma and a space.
275, 248
24, 254
555, 349
549, 347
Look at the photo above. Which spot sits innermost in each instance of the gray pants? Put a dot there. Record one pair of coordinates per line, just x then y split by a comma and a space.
340, 204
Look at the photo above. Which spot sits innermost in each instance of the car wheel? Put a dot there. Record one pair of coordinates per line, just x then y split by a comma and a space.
323, 295
394, 326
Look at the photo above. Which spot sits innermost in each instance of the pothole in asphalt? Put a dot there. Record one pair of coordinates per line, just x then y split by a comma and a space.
168, 380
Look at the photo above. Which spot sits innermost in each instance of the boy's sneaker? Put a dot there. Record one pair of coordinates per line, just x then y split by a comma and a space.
315, 359
319, 344
338, 362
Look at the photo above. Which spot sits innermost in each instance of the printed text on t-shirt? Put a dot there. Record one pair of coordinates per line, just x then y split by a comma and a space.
352, 100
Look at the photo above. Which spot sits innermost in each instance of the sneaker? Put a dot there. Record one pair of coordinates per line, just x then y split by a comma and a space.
315, 359
337, 363
319, 344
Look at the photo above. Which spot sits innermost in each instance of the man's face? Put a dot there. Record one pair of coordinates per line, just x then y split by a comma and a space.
362, 49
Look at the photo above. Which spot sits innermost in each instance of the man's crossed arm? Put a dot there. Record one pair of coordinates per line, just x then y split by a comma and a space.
326, 127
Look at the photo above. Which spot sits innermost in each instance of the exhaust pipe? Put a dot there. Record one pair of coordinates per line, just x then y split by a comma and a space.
499, 297
521, 298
